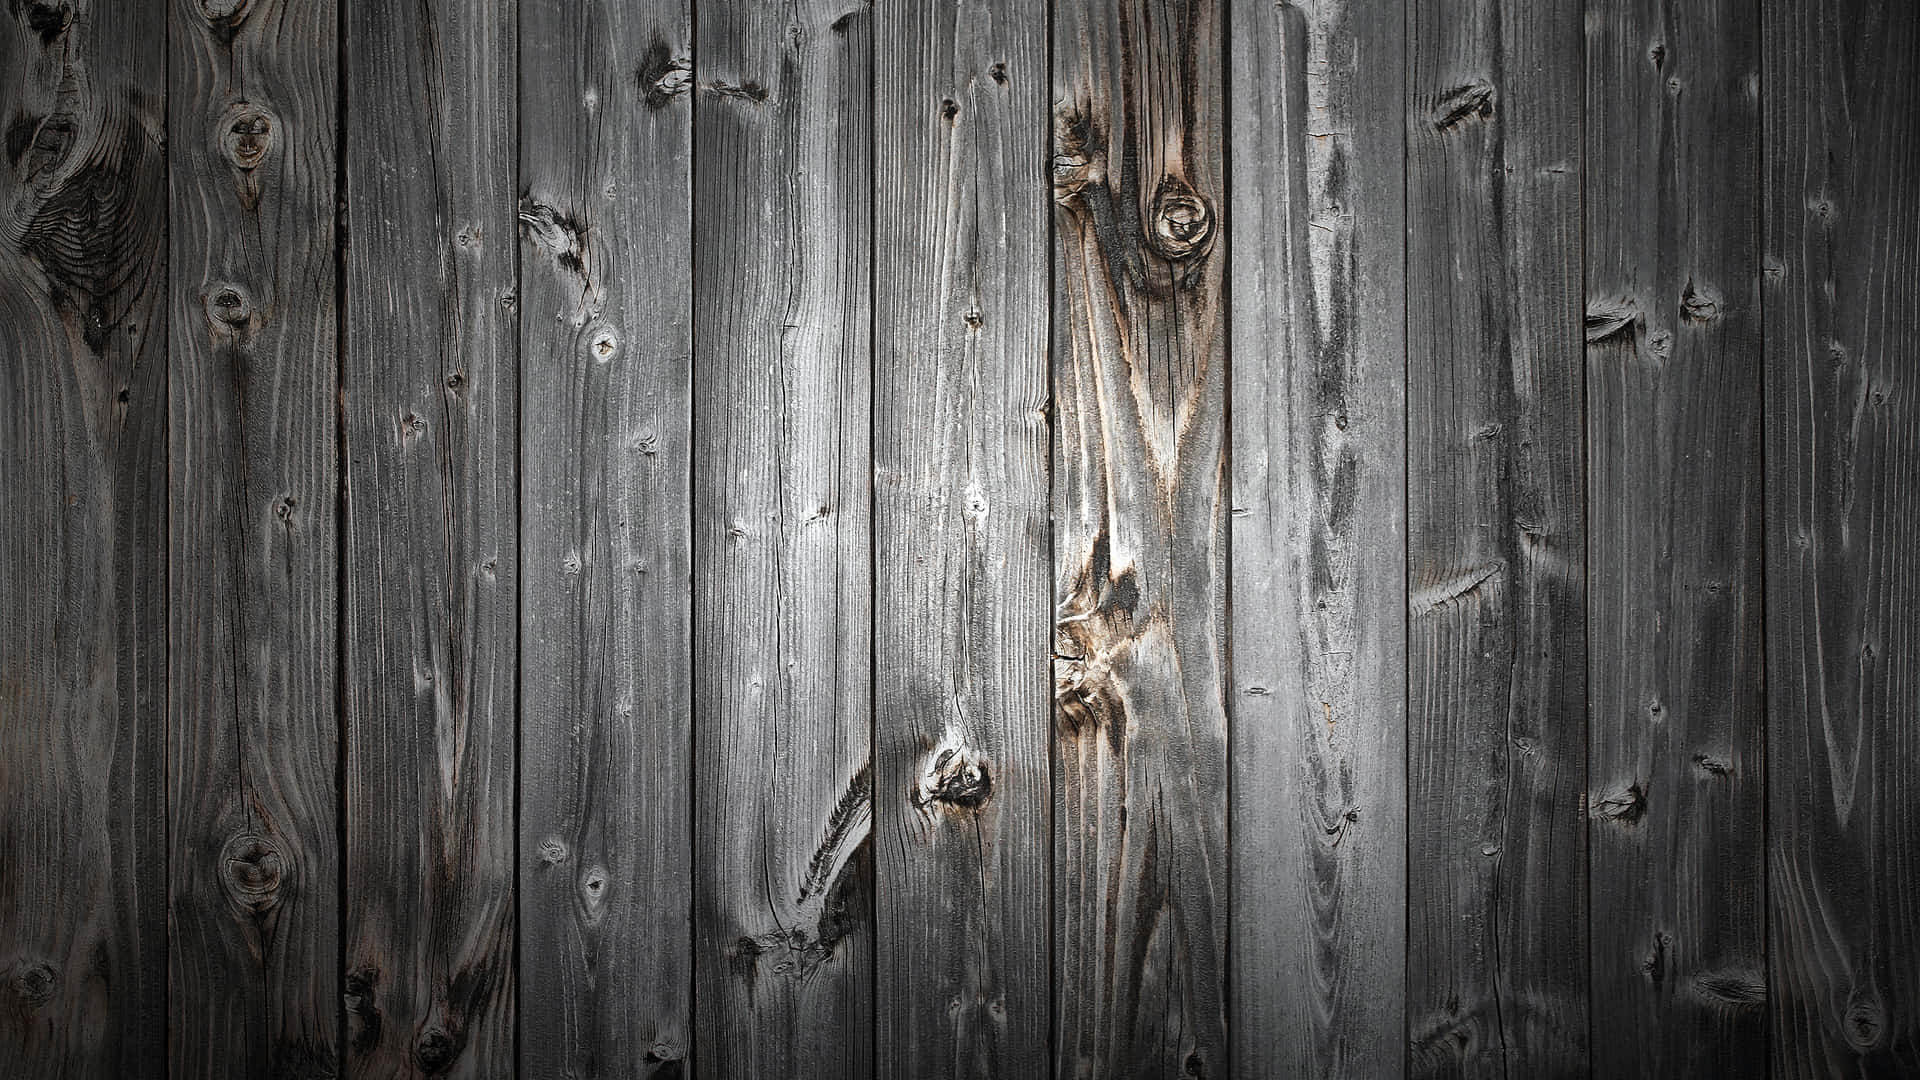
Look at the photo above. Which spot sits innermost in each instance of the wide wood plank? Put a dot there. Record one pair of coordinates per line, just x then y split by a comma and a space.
1678, 697
783, 945
1140, 520
1496, 644
1318, 544
961, 650
1841, 233
606, 332
83, 445
254, 742
428, 405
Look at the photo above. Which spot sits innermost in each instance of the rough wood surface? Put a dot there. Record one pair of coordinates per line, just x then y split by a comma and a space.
254, 741
1319, 552
1841, 225
1140, 508
428, 406
1678, 694
83, 406
962, 781
1496, 652
783, 942
605, 845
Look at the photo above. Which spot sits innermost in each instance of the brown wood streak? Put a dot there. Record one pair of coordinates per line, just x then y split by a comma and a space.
83, 220
429, 409
1674, 552
1497, 967
961, 817
1841, 225
783, 582
1140, 392
1319, 572
605, 448
254, 739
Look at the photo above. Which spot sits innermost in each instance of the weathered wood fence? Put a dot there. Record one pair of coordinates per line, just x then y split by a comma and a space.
592, 538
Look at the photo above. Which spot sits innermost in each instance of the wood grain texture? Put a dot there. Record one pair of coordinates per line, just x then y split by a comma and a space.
429, 412
254, 741
783, 942
1318, 544
1140, 507
962, 779
83, 225
1496, 649
1841, 226
605, 844
1678, 696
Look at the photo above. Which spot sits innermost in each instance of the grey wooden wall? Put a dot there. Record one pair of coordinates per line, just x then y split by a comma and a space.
960, 538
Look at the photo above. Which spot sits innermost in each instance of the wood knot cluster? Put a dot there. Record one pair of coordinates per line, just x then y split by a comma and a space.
956, 777
252, 870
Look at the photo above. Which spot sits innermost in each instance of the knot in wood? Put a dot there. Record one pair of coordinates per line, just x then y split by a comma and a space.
665, 1051
1182, 222
435, 1049
1080, 694
1072, 172
552, 851
49, 21
228, 306
1626, 807
223, 11
1462, 103
33, 984
1698, 305
247, 134
603, 342
1864, 1022
251, 872
662, 76
956, 777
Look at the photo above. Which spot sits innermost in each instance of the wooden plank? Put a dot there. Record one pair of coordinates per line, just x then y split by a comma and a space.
783, 945
963, 717
254, 745
1316, 226
83, 226
1140, 518
429, 411
1674, 543
606, 664
1841, 225
1496, 649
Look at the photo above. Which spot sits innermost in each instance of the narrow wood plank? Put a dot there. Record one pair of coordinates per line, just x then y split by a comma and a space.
429, 412
606, 664
1317, 237
783, 957
83, 385
1676, 705
1140, 509
254, 741
1496, 645
1841, 229
963, 784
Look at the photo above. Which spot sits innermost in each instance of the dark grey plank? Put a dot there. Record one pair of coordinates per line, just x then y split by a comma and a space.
962, 781
605, 844
1674, 545
1140, 520
254, 740
1318, 545
1496, 649
783, 944
429, 411
83, 414
1841, 228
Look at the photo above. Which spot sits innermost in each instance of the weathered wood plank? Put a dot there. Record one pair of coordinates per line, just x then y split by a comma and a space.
1496, 650
1139, 387
83, 226
782, 541
1318, 544
1674, 544
1841, 226
254, 741
605, 843
429, 411
962, 780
